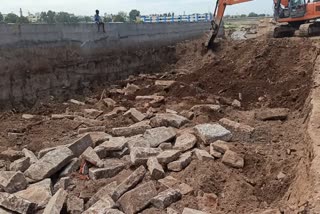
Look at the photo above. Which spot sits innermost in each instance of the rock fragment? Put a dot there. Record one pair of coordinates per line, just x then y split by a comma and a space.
102, 193
20, 165
129, 183
31, 155
168, 120
155, 168
212, 132
272, 114
232, 159
203, 155
140, 155
109, 171
166, 198
49, 164
16, 204
72, 166
220, 146
168, 156
192, 211
180, 164
159, 135
136, 115
75, 205
56, 202
185, 142
137, 199
12, 182
91, 156
80, 145
239, 131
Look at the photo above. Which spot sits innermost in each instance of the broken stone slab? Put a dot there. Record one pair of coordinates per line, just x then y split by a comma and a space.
131, 89
171, 182
219, 146
73, 166
210, 133
165, 146
157, 102
187, 114
56, 202
180, 164
203, 155
129, 183
102, 206
138, 141
77, 102
5, 211
38, 193
114, 112
62, 116
135, 129
239, 131
166, 198
155, 168
30, 154
115, 147
150, 97
168, 120
80, 145
75, 205
165, 83
16, 204
110, 170
159, 135
102, 193
113, 211
205, 107
12, 182
136, 115
11, 155
28, 116
63, 183
137, 199
49, 164
88, 121
91, 156
168, 156
272, 114
192, 211
232, 159
92, 129
43, 152
99, 137
140, 155
185, 189
170, 111
236, 103
20, 165
214, 153
109, 102
185, 142
92, 113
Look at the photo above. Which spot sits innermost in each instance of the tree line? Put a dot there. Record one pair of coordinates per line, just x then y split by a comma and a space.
52, 17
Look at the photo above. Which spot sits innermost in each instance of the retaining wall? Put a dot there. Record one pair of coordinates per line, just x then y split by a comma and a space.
117, 35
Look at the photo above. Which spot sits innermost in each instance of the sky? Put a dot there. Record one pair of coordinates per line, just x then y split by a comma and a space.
85, 7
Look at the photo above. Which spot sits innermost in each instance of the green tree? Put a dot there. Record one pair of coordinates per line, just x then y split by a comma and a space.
23, 20
243, 15
107, 19
11, 18
133, 15
252, 14
74, 19
63, 17
88, 19
48, 17
1, 17
120, 17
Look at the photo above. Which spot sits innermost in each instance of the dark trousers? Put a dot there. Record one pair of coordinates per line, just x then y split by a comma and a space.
101, 24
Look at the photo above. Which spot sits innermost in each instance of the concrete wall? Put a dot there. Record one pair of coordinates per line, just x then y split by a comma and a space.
117, 36
37, 61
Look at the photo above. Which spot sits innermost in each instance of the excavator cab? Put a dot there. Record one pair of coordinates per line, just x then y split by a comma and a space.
297, 8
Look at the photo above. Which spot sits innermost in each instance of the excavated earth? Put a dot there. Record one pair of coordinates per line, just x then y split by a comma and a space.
259, 74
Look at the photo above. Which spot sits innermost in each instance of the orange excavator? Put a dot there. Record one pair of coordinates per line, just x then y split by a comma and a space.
291, 15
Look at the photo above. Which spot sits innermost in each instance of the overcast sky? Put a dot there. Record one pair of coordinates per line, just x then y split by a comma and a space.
87, 7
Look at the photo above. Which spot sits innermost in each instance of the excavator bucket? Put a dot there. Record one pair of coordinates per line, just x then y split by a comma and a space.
214, 31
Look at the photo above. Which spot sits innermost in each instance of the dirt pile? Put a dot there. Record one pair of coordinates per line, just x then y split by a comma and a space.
220, 132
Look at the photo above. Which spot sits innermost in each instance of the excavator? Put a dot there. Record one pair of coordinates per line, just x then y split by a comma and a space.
291, 16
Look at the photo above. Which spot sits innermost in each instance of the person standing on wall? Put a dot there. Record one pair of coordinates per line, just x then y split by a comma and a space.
99, 21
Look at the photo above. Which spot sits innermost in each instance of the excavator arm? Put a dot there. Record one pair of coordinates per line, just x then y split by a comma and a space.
218, 16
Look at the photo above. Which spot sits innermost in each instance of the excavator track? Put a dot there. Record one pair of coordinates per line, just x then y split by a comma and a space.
284, 31
309, 29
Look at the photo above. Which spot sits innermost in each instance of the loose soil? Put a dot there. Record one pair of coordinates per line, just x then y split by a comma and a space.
261, 73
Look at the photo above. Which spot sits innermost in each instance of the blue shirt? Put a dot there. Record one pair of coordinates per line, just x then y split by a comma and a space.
97, 18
